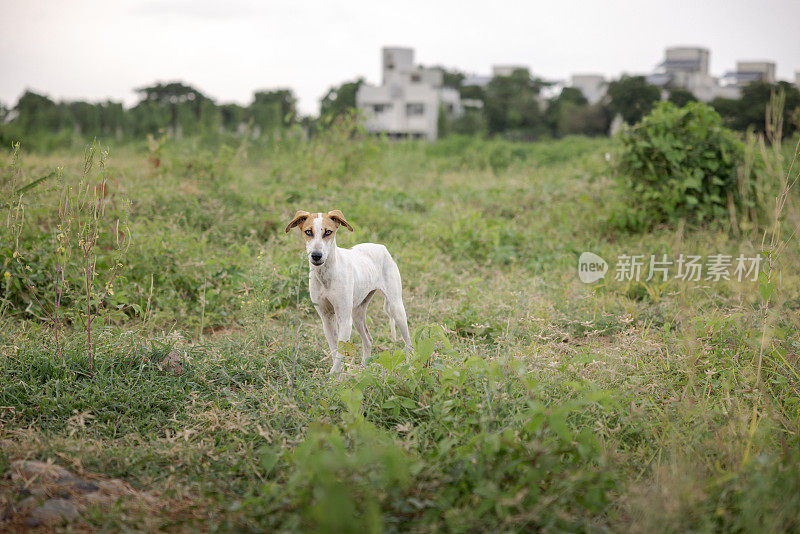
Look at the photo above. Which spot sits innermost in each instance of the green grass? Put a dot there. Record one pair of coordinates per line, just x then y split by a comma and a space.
533, 402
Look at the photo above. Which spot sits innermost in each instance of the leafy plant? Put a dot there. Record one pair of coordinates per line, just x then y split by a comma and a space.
678, 163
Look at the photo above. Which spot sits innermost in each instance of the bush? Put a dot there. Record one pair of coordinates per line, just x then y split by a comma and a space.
678, 163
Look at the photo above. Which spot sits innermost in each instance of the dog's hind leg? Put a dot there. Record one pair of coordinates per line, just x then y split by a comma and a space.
392, 328
398, 313
360, 324
392, 289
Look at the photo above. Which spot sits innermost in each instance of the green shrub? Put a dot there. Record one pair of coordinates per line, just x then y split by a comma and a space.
678, 163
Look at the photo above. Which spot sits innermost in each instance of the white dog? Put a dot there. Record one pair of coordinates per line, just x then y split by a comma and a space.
342, 282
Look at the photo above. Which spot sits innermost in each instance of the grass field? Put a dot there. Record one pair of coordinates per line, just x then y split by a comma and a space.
533, 401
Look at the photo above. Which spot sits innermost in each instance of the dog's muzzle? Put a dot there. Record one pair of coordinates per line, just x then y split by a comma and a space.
316, 258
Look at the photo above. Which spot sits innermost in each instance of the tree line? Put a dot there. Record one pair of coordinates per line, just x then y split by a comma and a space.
174, 108
509, 106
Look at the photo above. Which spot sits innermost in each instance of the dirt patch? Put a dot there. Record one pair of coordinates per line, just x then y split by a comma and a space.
41, 494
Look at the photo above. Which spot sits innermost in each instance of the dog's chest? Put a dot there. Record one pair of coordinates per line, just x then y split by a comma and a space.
323, 288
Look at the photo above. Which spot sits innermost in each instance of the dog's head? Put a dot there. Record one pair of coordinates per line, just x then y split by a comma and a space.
319, 232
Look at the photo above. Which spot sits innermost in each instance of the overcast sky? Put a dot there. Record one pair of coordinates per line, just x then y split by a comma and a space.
98, 49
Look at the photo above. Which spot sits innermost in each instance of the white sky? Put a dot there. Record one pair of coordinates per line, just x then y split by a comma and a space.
97, 49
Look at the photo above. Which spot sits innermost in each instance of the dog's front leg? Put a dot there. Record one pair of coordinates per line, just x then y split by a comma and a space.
329, 327
344, 329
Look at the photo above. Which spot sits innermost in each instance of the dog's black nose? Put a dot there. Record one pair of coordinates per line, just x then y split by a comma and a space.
316, 256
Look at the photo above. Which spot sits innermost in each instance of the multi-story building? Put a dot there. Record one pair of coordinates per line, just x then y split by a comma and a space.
506, 70
686, 68
593, 86
750, 71
409, 99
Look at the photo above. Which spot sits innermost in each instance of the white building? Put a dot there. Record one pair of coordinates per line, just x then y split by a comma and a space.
476, 80
506, 70
687, 68
592, 86
750, 71
409, 99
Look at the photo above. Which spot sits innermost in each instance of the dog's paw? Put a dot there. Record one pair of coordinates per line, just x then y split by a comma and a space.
337, 368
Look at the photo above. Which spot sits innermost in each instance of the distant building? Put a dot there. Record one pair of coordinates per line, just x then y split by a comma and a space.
476, 81
550, 90
750, 71
506, 70
728, 91
686, 68
686, 59
409, 99
592, 86
797, 79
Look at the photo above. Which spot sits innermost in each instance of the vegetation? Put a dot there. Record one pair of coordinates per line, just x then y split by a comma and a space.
509, 106
632, 98
680, 97
747, 112
339, 101
533, 401
570, 114
682, 163
175, 108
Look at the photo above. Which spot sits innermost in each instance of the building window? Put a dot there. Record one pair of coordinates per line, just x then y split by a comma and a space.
380, 108
415, 109
416, 78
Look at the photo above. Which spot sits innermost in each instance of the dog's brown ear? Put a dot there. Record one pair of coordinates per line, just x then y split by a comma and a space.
299, 217
338, 216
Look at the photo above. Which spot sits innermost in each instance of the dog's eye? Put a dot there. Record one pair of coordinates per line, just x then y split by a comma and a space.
309, 232
327, 233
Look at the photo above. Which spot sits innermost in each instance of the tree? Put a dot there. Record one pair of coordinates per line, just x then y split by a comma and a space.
232, 115
178, 98
511, 106
86, 118
749, 111
340, 100
171, 93
37, 113
728, 108
451, 78
148, 118
680, 97
474, 92
471, 122
272, 110
569, 95
113, 118
575, 119
632, 97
